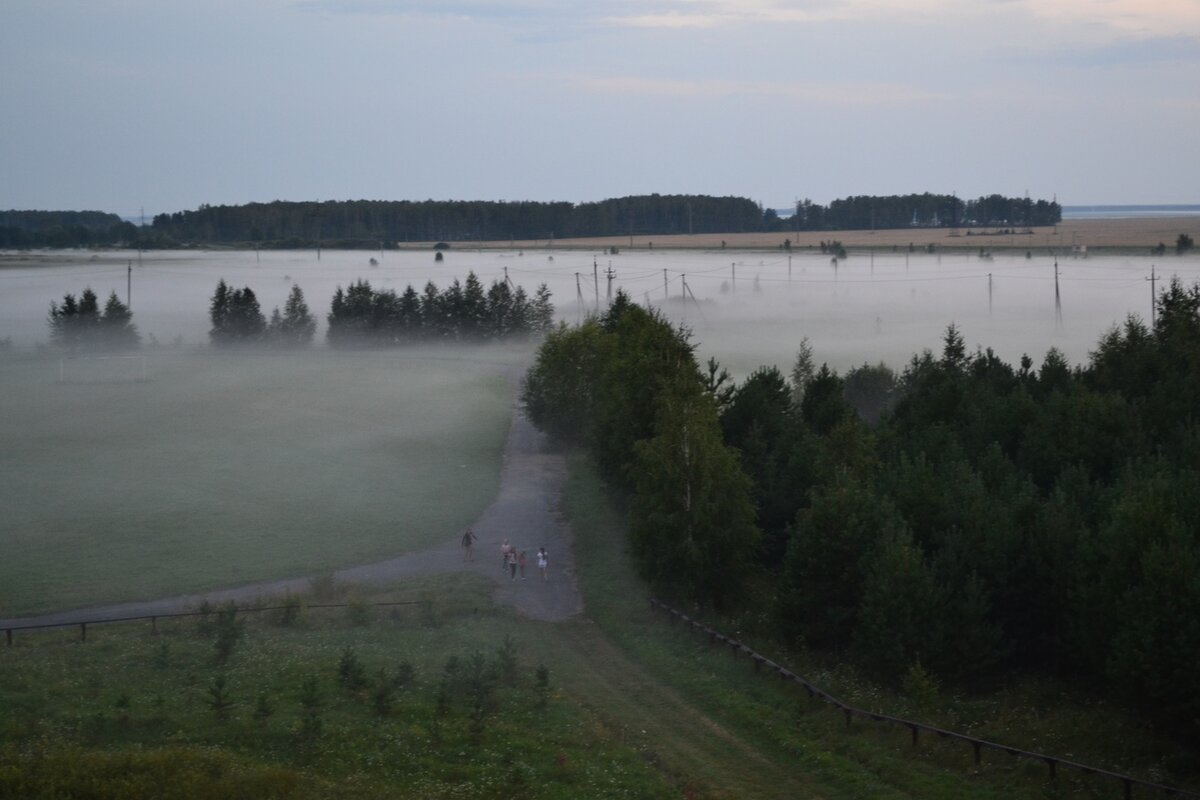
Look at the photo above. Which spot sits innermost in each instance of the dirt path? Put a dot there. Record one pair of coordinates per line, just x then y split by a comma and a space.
525, 512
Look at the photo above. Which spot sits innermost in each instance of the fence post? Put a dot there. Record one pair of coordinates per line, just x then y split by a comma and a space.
1128, 788
8, 636
83, 631
978, 756
1053, 768
914, 730
154, 625
846, 711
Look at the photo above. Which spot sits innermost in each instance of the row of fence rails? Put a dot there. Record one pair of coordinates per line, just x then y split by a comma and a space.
154, 618
1053, 763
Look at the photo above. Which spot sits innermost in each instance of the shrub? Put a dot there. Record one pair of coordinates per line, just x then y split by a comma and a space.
404, 676
263, 709
359, 612
218, 698
352, 675
506, 659
227, 632
382, 697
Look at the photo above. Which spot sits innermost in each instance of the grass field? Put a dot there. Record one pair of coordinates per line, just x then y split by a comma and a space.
131, 713
1136, 235
632, 708
223, 469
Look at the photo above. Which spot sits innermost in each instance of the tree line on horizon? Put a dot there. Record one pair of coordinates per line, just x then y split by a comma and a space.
24, 229
962, 519
372, 224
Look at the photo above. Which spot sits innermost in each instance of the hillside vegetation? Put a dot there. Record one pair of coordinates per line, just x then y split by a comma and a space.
965, 519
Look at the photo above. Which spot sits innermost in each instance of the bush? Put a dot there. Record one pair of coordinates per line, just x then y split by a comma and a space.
352, 675
359, 612
227, 632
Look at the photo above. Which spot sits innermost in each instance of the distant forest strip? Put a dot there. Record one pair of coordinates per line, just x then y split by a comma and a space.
377, 223
66, 229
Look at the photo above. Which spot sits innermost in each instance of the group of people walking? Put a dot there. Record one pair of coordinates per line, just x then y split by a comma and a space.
513, 561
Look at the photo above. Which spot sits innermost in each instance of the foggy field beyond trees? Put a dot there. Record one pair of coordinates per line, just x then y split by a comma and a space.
221, 469
248, 465
749, 308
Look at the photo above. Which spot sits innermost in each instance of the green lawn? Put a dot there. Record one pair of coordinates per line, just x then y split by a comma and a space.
224, 469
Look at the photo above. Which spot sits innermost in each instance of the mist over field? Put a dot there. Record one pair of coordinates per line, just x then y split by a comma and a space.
223, 468
745, 308
233, 466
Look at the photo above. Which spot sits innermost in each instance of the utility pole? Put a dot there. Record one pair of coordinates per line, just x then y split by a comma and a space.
989, 294
789, 270
1058, 322
1153, 299
579, 296
666, 294
129, 286
733, 272
596, 282
610, 275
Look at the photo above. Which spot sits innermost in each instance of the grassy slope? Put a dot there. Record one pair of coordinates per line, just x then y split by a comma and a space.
227, 469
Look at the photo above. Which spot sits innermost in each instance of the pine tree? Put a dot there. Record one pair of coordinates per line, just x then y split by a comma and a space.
116, 328
541, 316
296, 326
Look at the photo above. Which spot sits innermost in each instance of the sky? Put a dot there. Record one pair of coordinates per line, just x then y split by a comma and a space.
165, 105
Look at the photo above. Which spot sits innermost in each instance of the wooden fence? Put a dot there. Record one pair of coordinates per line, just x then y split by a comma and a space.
1054, 763
154, 618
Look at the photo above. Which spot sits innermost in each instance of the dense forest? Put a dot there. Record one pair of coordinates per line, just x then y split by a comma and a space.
922, 211
372, 224
964, 518
20, 229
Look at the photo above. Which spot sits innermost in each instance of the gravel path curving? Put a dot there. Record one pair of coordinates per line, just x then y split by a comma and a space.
525, 512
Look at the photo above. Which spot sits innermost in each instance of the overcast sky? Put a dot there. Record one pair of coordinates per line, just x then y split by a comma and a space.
169, 104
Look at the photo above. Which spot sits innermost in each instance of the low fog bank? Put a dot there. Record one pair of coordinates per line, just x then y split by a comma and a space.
745, 308
174, 472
